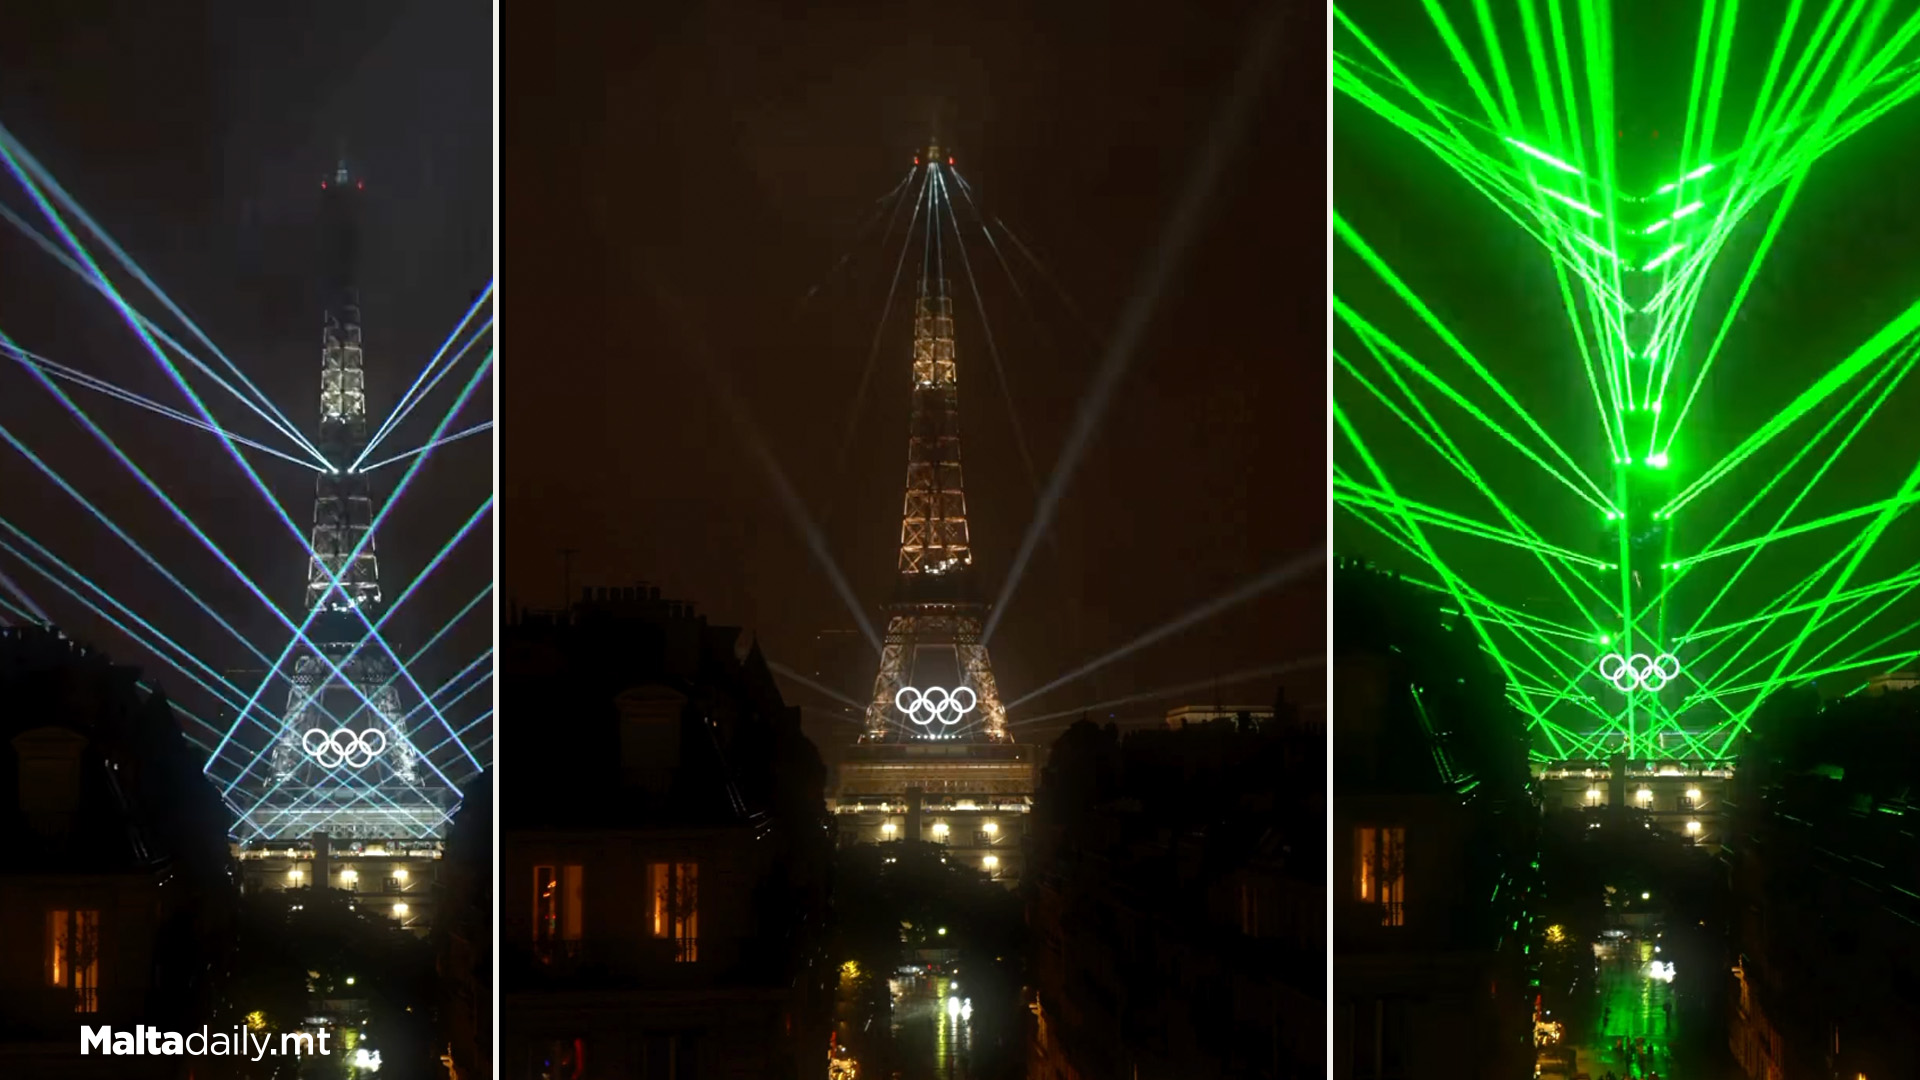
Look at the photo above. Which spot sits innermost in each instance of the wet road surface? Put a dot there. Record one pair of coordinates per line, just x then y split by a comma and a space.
932, 1028
1634, 1033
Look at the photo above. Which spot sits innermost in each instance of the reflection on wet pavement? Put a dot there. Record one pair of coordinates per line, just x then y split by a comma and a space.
1635, 1031
932, 1028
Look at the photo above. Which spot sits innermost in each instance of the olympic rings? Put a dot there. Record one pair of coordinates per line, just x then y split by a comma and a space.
355, 750
1639, 671
923, 707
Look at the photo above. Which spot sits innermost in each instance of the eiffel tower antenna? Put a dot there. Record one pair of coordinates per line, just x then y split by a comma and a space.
936, 611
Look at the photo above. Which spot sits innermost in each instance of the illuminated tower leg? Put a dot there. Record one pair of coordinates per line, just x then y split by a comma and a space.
891, 680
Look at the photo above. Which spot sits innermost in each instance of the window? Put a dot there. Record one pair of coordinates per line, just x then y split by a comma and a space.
674, 1056
1380, 1039
1380, 867
674, 892
556, 909
73, 956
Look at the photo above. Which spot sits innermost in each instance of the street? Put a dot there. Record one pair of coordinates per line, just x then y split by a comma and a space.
1634, 1031
932, 1028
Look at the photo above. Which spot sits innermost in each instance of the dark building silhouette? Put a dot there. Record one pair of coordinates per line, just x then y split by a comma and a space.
117, 889
664, 852
1825, 875
1178, 903
1434, 834
463, 936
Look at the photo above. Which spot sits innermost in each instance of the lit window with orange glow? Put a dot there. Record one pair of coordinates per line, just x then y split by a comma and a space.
673, 892
558, 892
1380, 874
73, 956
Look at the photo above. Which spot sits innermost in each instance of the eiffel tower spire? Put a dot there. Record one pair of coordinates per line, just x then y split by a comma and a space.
343, 504
932, 651
933, 525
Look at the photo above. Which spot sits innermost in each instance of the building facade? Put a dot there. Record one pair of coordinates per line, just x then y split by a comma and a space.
115, 892
1178, 906
1434, 837
664, 850
1826, 891
975, 799
1683, 797
397, 879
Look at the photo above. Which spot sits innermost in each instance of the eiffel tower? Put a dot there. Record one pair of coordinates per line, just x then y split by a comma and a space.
344, 764
935, 680
935, 762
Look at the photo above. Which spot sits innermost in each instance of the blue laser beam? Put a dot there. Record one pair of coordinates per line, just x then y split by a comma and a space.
31, 618
333, 583
400, 414
110, 620
79, 250
11, 148
277, 814
455, 437
400, 409
52, 249
99, 385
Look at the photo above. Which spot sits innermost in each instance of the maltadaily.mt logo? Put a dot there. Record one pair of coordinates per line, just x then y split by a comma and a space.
151, 1041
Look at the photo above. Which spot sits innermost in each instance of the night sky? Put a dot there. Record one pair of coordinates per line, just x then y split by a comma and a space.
197, 135
687, 173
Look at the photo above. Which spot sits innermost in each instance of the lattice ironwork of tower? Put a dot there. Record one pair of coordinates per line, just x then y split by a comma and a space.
935, 680
343, 762
1749, 493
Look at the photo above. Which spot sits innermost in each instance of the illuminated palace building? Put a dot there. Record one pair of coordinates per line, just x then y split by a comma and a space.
935, 761
1682, 797
344, 798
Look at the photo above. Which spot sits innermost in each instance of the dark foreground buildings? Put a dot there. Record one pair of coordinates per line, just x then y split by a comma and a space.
1825, 874
664, 852
117, 884
1178, 903
1434, 832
